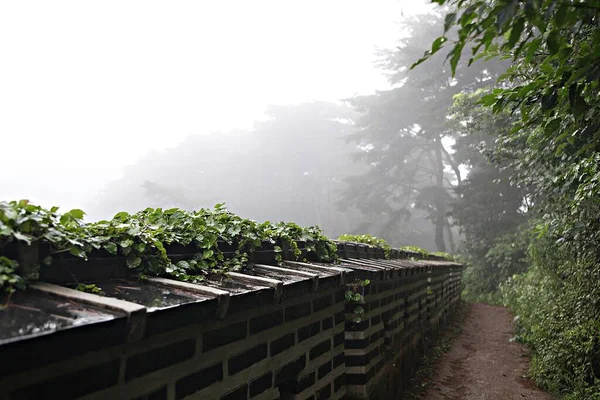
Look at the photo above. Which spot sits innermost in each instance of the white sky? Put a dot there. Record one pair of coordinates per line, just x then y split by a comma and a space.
87, 87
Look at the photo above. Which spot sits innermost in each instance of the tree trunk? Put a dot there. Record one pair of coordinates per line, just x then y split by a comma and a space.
450, 238
440, 203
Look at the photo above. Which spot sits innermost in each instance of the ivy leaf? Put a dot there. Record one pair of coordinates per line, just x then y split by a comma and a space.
140, 247
133, 261
111, 248
207, 254
77, 251
126, 243
77, 213
22, 237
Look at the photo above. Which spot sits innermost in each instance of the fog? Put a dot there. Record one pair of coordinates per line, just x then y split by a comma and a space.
112, 105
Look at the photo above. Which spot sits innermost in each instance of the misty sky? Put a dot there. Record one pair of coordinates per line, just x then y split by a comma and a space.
86, 88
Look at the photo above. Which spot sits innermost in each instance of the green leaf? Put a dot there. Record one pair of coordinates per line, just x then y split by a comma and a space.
552, 42
207, 254
561, 15
76, 251
77, 213
506, 14
437, 44
515, 33
47, 260
140, 247
133, 261
111, 248
22, 237
126, 243
449, 21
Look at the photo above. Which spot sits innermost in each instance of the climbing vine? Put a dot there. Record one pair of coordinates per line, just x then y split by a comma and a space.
144, 238
370, 240
355, 298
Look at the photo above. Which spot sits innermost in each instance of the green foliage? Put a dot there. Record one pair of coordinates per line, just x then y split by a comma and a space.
549, 98
9, 279
557, 314
415, 249
90, 288
370, 240
506, 256
143, 239
354, 295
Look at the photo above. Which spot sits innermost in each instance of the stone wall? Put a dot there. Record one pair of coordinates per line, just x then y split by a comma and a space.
269, 333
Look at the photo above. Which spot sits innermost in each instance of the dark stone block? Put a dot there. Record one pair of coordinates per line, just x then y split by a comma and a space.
322, 303
283, 343
339, 317
340, 296
45, 349
356, 361
338, 339
254, 300
324, 393
297, 311
356, 343
296, 387
73, 385
290, 370
309, 331
260, 384
374, 305
169, 319
338, 360
327, 323
357, 326
339, 382
356, 379
160, 394
324, 369
375, 320
249, 357
266, 321
319, 349
240, 393
199, 380
162, 357
374, 337
222, 336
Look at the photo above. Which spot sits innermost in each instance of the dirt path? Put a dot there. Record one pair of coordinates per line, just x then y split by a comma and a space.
482, 363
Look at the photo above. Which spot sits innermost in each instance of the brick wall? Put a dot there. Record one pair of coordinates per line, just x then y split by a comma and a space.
286, 338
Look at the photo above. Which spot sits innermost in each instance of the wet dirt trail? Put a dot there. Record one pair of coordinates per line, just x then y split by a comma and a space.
482, 363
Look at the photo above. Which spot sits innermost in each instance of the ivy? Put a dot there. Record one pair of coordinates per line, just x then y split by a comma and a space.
355, 297
370, 240
143, 240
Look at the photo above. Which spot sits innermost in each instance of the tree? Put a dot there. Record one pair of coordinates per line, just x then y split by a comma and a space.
290, 167
404, 137
490, 210
552, 87
553, 148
